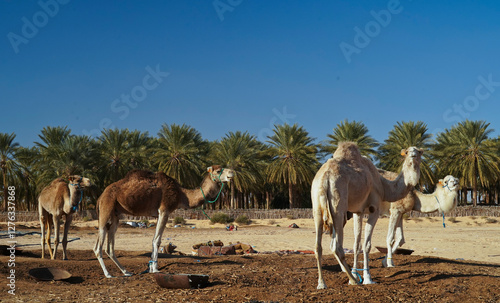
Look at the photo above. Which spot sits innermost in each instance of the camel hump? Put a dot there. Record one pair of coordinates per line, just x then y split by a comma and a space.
347, 151
139, 174
146, 175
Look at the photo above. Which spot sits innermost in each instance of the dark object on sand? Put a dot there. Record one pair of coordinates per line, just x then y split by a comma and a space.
180, 280
49, 274
399, 251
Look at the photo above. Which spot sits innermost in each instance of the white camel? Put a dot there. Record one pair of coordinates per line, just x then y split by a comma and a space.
443, 199
350, 182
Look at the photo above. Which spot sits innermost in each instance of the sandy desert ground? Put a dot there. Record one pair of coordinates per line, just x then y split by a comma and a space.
459, 262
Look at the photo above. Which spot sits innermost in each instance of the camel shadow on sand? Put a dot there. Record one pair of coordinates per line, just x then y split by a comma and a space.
437, 276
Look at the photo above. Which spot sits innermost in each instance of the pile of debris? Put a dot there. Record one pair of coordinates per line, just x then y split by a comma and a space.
217, 248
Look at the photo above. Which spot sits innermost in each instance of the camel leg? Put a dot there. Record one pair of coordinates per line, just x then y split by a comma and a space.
391, 230
42, 227
111, 246
98, 249
318, 223
367, 245
56, 234
160, 227
357, 221
337, 244
69, 218
105, 215
400, 237
48, 234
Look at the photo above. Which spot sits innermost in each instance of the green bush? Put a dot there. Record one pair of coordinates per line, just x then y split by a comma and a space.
179, 220
243, 220
491, 220
220, 218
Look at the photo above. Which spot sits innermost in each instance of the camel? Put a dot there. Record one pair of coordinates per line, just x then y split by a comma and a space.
350, 182
443, 199
144, 193
58, 199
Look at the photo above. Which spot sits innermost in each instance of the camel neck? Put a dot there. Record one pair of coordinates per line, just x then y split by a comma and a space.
208, 190
441, 200
75, 197
395, 190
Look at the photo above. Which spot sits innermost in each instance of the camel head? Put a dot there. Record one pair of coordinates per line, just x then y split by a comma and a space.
76, 184
79, 181
411, 165
450, 183
446, 193
219, 174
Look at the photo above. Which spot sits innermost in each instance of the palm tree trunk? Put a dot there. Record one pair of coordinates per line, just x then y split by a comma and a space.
474, 193
26, 192
233, 198
5, 192
290, 194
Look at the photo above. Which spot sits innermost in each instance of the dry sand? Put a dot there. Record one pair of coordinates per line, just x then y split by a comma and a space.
469, 238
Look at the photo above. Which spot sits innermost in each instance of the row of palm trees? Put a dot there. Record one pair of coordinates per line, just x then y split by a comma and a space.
271, 174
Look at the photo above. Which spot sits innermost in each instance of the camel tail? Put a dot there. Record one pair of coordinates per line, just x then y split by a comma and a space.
329, 211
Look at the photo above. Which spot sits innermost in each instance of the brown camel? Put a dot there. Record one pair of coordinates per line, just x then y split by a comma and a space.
58, 199
350, 182
443, 199
144, 193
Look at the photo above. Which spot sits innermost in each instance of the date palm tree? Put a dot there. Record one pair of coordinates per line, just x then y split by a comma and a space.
51, 140
27, 173
244, 154
354, 132
122, 150
293, 158
404, 135
8, 162
466, 151
181, 153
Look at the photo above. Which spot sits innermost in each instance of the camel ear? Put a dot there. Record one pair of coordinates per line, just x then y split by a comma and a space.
421, 150
71, 178
209, 169
403, 152
441, 182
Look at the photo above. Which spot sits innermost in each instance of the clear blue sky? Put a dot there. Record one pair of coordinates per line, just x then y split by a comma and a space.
231, 65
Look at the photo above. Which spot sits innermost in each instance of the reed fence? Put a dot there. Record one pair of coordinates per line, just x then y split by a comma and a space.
297, 213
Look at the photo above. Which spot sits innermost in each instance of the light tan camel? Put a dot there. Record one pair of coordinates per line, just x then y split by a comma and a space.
58, 199
443, 199
350, 182
143, 193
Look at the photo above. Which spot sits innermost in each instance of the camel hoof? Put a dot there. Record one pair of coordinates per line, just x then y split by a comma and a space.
367, 282
128, 274
386, 263
321, 286
109, 276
